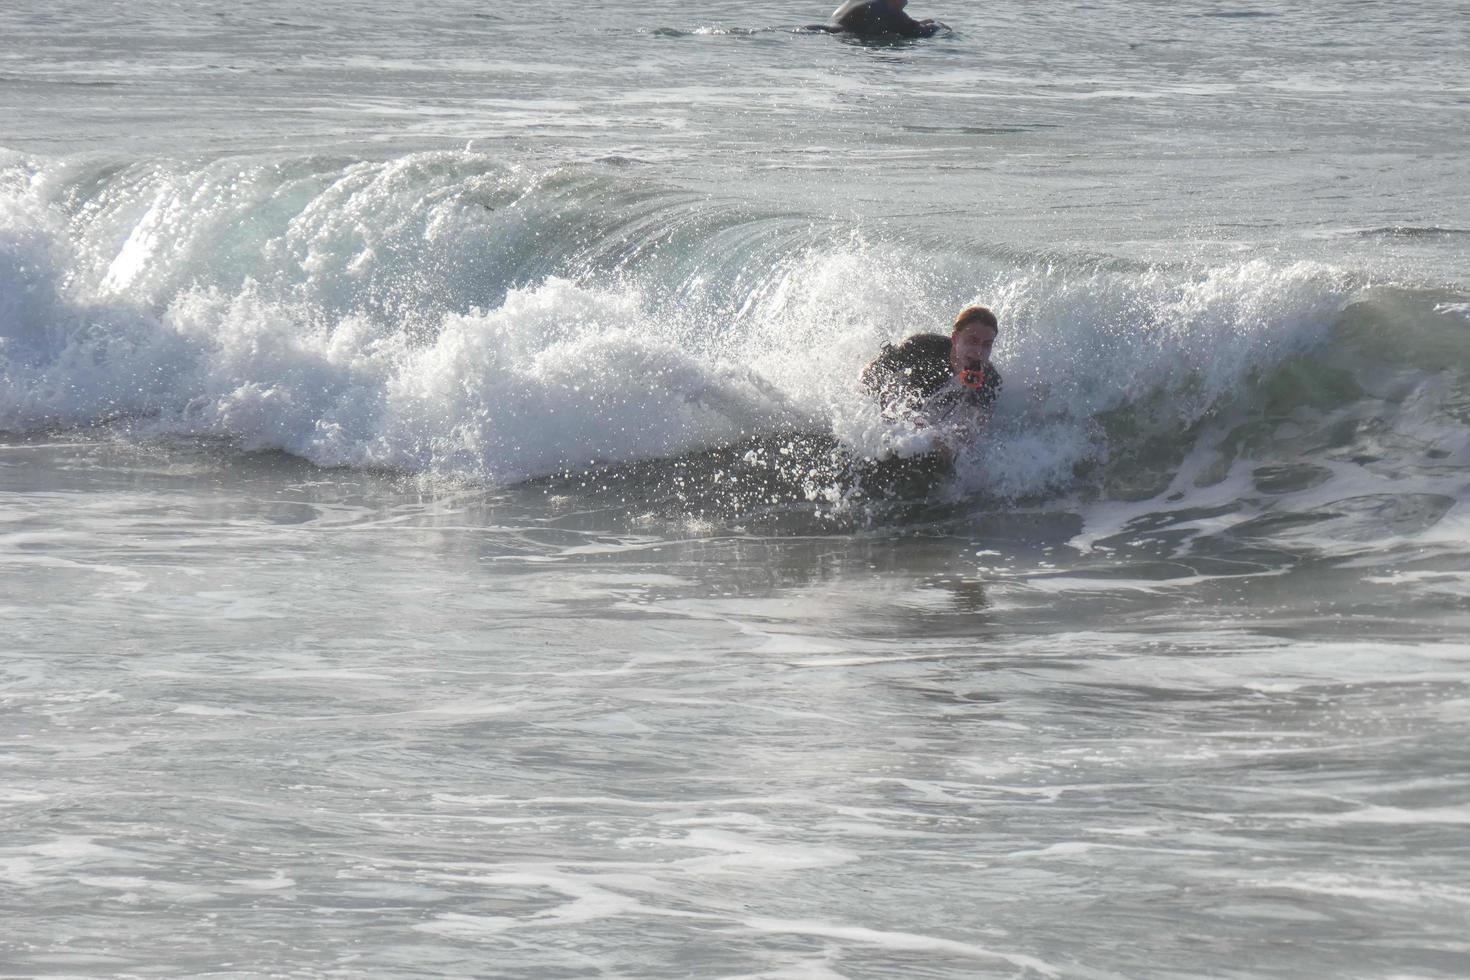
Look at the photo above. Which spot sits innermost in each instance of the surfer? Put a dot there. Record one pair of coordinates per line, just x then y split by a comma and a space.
929, 377
877, 18
933, 381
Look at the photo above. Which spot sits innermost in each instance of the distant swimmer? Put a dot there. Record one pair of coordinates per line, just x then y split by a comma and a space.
877, 18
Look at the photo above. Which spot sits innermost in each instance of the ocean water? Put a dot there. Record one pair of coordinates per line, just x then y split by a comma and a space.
425, 554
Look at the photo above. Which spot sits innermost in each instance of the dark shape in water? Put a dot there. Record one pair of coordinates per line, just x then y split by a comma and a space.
877, 19
758, 474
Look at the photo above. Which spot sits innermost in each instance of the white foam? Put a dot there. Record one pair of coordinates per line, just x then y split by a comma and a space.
738, 853
586, 902
1393, 891
209, 711
900, 941
130, 886
1451, 815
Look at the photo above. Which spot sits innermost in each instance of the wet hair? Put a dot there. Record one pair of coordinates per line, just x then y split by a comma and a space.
972, 315
911, 371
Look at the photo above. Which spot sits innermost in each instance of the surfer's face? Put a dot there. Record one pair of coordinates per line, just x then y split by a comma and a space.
971, 346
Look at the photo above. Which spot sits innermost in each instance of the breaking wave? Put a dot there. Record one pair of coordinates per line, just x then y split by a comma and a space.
444, 314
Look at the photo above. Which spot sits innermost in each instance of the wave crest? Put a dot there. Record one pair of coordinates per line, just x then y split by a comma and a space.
440, 313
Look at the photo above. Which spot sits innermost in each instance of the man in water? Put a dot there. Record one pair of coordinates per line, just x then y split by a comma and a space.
877, 18
931, 380
930, 377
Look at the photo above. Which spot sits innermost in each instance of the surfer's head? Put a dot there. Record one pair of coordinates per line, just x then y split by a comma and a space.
971, 340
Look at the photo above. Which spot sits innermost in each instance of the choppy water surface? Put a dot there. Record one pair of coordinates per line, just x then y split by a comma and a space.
268, 719
421, 557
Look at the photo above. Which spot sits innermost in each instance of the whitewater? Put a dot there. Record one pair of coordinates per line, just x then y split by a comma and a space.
432, 546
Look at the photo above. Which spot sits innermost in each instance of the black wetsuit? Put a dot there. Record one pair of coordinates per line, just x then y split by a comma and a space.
875, 18
906, 375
